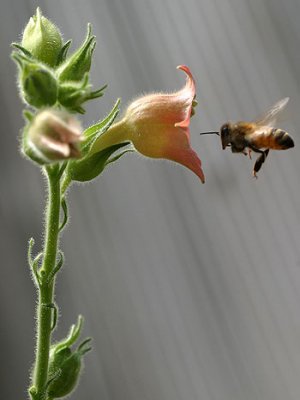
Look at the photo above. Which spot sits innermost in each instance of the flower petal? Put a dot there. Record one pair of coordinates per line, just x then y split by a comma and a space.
188, 93
188, 158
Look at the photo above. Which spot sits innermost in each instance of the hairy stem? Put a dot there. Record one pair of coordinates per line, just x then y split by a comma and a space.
45, 310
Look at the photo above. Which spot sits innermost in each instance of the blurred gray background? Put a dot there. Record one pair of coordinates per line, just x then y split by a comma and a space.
190, 291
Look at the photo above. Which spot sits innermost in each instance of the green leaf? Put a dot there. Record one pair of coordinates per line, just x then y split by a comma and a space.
92, 133
90, 167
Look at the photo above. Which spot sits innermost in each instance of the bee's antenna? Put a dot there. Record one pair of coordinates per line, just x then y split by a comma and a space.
210, 133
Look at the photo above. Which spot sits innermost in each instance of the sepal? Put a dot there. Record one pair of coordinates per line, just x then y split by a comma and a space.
29, 151
90, 166
93, 163
23, 50
28, 115
92, 133
79, 63
73, 94
63, 52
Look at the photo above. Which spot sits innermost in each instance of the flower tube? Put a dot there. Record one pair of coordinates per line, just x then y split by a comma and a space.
158, 126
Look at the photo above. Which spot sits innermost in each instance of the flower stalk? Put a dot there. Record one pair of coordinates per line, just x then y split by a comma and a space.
46, 307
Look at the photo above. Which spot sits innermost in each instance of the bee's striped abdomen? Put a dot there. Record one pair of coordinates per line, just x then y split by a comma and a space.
281, 139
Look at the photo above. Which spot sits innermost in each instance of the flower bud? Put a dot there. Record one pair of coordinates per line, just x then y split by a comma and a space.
64, 369
42, 39
53, 136
37, 83
79, 63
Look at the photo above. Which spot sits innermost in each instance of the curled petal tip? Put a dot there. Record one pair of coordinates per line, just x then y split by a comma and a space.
186, 69
190, 86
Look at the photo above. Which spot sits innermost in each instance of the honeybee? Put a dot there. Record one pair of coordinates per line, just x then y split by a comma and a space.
259, 136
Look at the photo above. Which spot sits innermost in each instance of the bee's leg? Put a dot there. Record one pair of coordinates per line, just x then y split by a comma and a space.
259, 162
247, 153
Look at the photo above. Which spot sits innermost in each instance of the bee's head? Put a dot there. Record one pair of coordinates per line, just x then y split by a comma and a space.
225, 135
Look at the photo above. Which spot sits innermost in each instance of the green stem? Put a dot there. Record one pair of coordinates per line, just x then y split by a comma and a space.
65, 184
46, 288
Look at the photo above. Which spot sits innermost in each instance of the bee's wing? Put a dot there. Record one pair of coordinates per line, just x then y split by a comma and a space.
270, 117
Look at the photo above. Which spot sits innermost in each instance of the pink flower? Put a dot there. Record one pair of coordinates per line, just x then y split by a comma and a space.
158, 126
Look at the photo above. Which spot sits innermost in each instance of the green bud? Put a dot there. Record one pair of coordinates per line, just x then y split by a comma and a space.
64, 364
38, 85
64, 369
42, 39
52, 136
79, 63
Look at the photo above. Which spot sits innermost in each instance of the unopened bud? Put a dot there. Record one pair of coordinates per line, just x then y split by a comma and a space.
64, 369
42, 39
37, 82
54, 136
